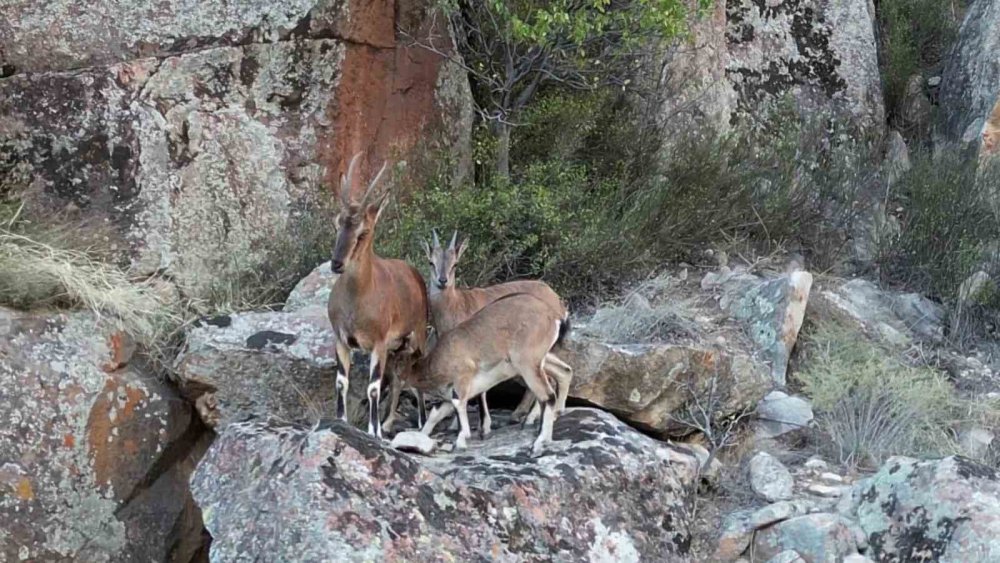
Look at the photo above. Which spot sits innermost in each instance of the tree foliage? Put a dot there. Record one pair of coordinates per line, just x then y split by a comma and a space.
513, 48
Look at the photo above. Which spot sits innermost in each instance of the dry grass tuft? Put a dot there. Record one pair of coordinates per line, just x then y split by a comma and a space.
36, 275
649, 313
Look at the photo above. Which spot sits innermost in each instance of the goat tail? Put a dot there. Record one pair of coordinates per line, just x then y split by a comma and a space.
564, 328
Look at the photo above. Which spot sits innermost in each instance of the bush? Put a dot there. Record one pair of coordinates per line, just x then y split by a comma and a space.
915, 35
947, 230
870, 405
520, 228
781, 184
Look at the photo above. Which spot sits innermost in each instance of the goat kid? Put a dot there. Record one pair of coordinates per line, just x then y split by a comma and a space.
451, 306
377, 305
510, 337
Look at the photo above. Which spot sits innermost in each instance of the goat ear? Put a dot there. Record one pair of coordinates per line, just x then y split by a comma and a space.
460, 248
374, 210
427, 250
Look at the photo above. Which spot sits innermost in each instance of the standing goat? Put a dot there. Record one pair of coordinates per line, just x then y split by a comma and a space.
509, 337
451, 306
376, 305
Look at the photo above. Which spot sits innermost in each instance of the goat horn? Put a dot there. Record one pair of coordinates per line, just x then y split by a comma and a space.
371, 186
345, 181
454, 239
437, 242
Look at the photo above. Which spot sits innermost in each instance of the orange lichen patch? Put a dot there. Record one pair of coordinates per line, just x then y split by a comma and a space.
106, 448
385, 100
991, 133
24, 490
121, 347
69, 441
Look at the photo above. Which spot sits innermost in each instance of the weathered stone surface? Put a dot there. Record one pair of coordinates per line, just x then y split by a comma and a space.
769, 478
788, 556
915, 111
234, 367
772, 309
897, 157
201, 160
969, 97
817, 538
936, 510
413, 441
651, 385
976, 441
94, 455
312, 290
747, 55
780, 414
601, 492
735, 537
896, 318
823, 53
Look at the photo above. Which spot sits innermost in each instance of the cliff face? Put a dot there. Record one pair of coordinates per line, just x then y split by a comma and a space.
748, 55
191, 134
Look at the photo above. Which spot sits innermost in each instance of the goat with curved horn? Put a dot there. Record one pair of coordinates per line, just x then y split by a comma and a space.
451, 306
376, 305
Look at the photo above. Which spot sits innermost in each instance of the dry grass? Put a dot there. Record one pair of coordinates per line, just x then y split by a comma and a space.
36, 275
649, 313
870, 404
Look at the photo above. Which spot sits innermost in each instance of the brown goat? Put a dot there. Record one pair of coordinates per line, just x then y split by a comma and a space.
451, 306
377, 305
509, 337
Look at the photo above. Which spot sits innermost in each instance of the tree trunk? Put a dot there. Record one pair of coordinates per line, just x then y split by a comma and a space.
503, 150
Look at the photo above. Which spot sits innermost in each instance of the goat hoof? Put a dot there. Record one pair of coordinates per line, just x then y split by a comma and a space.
537, 450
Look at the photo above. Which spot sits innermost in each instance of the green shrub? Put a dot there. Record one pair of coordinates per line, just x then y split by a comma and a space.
779, 185
915, 35
872, 406
947, 230
519, 228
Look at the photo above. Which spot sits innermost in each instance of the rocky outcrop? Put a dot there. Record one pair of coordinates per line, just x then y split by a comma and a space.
600, 492
195, 139
969, 96
935, 510
95, 455
745, 56
658, 386
281, 364
892, 317
772, 310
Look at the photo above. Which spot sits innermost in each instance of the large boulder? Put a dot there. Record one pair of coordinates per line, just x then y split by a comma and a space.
195, 140
244, 365
969, 97
772, 310
600, 492
935, 510
95, 455
745, 56
660, 386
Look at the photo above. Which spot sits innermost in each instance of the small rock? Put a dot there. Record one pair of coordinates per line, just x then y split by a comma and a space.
769, 478
976, 442
709, 470
789, 556
816, 464
819, 537
832, 477
825, 490
776, 513
412, 441
780, 414
857, 557
934, 81
897, 157
735, 536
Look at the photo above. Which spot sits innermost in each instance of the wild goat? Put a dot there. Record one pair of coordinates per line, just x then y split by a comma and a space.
451, 306
376, 305
510, 337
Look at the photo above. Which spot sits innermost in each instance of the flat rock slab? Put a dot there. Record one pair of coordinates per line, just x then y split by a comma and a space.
601, 492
